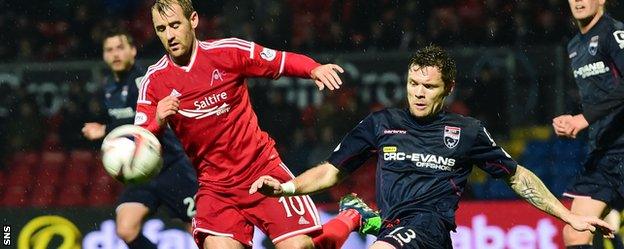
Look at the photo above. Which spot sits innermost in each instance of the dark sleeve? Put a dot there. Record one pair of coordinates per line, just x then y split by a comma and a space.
615, 99
102, 115
490, 157
109, 128
356, 147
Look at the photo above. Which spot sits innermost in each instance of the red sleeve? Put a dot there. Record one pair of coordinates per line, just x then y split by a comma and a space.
258, 61
146, 108
298, 65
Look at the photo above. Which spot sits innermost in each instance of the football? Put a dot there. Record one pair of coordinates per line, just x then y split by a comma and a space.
131, 154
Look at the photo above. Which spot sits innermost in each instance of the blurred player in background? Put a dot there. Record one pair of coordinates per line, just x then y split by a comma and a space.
425, 156
199, 89
597, 59
176, 184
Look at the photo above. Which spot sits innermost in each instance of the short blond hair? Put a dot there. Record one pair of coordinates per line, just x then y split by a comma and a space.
186, 5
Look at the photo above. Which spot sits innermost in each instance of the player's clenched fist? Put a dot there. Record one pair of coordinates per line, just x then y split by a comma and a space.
166, 107
569, 126
267, 185
325, 75
561, 126
93, 131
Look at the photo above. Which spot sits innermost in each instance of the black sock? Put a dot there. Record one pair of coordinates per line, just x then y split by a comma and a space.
580, 247
141, 242
617, 242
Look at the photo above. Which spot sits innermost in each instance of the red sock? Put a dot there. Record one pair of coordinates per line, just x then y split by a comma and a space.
336, 231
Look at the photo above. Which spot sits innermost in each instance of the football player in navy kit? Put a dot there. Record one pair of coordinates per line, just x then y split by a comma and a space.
597, 59
425, 156
176, 185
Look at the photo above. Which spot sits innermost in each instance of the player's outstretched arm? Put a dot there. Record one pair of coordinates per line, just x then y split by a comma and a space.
532, 189
319, 178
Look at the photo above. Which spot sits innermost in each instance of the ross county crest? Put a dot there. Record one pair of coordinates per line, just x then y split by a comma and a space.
451, 136
593, 45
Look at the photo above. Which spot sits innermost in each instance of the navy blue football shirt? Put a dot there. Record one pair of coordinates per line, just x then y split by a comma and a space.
422, 165
597, 61
120, 101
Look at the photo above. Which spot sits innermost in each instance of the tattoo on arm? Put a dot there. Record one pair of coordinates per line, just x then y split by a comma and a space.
527, 190
532, 189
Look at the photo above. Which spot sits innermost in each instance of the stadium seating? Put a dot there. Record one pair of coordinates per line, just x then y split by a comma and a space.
56, 178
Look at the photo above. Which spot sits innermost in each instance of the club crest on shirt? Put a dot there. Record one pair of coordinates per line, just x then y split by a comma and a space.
216, 75
593, 45
451, 136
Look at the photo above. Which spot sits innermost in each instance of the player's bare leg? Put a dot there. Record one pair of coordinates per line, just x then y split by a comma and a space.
381, 245
129, 220
582, 206
220, 242
296, 242
613, 218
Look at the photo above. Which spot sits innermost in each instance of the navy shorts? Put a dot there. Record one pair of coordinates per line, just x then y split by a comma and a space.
422, 231
175, 188
603, 181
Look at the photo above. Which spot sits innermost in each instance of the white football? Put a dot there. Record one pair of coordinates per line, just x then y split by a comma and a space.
131, 154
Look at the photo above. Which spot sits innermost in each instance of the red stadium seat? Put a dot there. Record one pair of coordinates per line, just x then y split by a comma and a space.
2, 181
101, 195
100, 177
71, 195
53, 159
42, 196
77, 175
19, 176
48, 175
27, 158
52, 142
82, 158
15, 196
52, 164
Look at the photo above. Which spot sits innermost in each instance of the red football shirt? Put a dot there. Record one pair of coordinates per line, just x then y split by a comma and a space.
215, 122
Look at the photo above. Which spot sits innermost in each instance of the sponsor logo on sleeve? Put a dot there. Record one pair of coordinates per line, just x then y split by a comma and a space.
268, 54
140, 118
619, 38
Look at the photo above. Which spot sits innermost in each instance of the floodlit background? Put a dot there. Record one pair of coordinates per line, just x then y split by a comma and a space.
513, 75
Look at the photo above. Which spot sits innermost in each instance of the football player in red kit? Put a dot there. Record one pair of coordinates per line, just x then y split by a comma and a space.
199, 89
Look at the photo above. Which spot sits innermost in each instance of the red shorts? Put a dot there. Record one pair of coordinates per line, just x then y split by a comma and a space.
235, 213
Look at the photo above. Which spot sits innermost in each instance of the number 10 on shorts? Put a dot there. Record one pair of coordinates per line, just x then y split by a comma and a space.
294, 203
